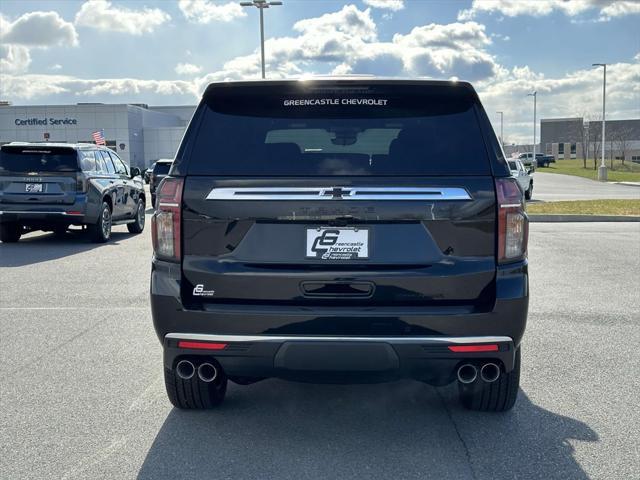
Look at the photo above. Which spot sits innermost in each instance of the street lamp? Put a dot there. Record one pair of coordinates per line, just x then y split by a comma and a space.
535, 100
261, 5
602, 170
501, 128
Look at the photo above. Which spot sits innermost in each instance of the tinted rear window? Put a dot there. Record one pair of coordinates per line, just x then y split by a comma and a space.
41, 160
161, 168
399, 130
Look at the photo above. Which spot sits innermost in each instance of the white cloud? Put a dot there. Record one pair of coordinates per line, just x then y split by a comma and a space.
14, 59
56, 67
346, 41
538, 8
204, 11
386, 4
350, 21
187, 69
575, 94
38, 29
31, 30
102, 15
34, 86
619, 9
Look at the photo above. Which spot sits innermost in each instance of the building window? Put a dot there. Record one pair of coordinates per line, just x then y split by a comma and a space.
573, 148
635, 158
561, 149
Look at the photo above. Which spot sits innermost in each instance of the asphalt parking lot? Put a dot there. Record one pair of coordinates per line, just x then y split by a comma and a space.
553, 187
82, 393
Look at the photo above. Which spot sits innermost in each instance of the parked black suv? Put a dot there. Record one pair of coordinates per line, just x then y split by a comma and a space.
340, 231
47, 186
160, 170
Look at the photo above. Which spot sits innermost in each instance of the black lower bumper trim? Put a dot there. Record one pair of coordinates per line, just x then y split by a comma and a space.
341, 360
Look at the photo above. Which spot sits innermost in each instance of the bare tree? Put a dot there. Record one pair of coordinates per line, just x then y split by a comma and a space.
621, 138
582, 137
595, 137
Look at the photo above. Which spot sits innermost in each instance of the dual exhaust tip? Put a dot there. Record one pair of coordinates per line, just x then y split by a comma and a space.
207, 372
468, 373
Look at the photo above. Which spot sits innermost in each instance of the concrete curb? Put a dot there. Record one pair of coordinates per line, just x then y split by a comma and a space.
582, 218
628, 184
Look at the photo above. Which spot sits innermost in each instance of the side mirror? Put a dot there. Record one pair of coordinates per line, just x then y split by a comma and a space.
530, 171
134, 172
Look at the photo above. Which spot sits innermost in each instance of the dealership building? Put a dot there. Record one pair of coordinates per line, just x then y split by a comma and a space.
566, 138
140, 134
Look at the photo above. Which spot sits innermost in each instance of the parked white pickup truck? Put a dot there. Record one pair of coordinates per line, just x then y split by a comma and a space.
523, 175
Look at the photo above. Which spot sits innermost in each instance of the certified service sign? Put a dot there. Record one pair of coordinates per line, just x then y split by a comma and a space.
332, 243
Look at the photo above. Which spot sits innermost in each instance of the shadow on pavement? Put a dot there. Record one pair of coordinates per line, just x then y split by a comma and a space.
275, 429
40, 246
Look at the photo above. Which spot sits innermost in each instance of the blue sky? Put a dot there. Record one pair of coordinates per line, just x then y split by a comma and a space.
165, 52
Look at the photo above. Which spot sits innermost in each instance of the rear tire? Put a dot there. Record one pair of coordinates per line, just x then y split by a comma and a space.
498, 396
10, 232
101, 231
529, 192
138, 225
195, 394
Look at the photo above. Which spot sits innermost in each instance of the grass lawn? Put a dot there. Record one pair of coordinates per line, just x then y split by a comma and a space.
629, 172
587, 207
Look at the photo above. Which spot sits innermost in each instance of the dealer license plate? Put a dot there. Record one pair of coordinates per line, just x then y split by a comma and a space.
337, 243
33, 187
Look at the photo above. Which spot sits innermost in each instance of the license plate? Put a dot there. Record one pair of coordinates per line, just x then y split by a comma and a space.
33, 188
335, 243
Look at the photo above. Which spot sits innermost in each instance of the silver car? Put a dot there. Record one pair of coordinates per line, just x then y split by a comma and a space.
523, 175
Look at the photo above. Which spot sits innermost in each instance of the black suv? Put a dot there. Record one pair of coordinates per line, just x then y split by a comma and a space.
46, 186
159, 171
340, 231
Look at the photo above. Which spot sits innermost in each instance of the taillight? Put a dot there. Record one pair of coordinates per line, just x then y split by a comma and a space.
81, 182
513, 224
166, 221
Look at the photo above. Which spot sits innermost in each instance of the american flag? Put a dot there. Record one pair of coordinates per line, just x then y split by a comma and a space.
98, 137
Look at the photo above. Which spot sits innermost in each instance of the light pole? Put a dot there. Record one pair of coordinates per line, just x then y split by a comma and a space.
501, 128
602, 170
535, 101
261, 5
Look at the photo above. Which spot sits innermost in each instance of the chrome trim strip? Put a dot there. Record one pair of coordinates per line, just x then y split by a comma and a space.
41, 213
510, 205
339, 193
307, 338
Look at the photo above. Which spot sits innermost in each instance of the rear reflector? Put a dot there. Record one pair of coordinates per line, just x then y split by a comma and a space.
474, 348
202, 345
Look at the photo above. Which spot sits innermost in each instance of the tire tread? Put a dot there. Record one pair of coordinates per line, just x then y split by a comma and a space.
498, 396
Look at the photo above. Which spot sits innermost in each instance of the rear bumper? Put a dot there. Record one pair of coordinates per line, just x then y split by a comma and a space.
397, 342
43, 214
338, 359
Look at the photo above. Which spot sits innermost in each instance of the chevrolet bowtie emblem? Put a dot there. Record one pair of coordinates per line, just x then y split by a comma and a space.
335, 192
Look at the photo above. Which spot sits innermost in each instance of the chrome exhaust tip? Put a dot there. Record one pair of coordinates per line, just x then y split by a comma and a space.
467, 373
490, 372
207, 372
185, 369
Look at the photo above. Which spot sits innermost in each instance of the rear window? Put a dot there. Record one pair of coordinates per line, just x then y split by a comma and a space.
161, 168
14, 159
368, 131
